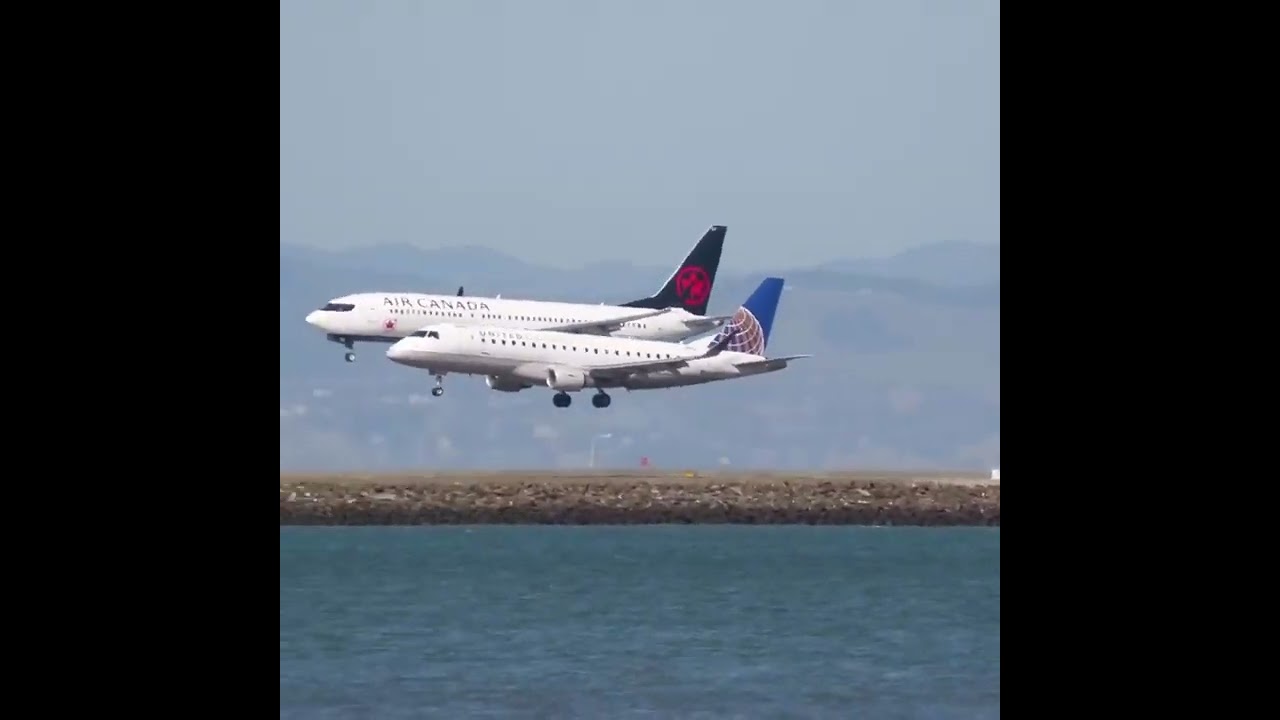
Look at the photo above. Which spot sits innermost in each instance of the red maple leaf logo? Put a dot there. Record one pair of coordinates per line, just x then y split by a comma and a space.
390, 324
693, 285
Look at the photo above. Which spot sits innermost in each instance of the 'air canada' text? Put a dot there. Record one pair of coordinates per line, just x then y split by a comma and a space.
430, 304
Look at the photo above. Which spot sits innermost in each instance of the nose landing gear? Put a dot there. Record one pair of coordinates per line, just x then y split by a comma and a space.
348, 343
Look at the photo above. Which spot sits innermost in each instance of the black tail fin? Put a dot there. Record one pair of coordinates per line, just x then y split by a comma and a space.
689, 287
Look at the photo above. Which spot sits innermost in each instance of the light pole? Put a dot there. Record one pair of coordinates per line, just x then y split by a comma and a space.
603, 436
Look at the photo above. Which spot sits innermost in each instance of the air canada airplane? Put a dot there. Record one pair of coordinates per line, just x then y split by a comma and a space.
676, 312
513, 360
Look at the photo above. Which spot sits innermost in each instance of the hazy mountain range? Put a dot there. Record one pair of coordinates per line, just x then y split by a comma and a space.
906, 370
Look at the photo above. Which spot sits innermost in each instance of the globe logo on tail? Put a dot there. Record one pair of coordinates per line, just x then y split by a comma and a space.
748, 336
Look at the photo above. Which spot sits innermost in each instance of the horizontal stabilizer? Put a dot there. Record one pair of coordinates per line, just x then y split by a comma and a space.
605, 327
771, 364
707, 322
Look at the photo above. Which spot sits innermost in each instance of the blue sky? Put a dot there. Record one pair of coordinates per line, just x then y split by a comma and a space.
570, 132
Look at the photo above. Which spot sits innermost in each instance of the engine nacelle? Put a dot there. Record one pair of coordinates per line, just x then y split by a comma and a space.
566, 379
502, 384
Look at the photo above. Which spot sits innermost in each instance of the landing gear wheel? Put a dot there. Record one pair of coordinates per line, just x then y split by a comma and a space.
561, 400
601, 400
437, 391
350, 357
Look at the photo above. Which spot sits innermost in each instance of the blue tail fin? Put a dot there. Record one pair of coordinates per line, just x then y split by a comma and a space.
753, 322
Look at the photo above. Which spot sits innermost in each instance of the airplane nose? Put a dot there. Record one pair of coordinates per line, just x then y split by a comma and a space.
398, 352
313, 317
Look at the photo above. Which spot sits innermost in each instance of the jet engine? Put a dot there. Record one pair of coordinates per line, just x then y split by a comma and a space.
566, 379
502, 384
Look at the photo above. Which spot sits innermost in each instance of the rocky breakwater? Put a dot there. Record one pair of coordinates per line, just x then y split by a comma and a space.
633, 498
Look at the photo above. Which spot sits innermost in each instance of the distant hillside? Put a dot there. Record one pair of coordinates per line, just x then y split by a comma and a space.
945, 263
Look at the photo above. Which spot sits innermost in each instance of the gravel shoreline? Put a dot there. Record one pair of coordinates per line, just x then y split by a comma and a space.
922, 499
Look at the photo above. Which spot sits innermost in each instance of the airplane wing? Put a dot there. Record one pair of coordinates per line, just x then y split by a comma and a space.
623, 369
604, 327
772, 363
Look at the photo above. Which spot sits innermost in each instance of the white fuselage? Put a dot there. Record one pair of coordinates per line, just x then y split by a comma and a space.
387, 317
514, 359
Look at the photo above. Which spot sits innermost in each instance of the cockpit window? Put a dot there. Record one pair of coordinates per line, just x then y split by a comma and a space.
427, 334
339, 307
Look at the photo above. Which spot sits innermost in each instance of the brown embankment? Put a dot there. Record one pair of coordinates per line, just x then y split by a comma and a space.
625, 497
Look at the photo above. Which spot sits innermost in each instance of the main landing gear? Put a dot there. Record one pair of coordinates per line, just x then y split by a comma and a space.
350, 357
438, 390
562, 400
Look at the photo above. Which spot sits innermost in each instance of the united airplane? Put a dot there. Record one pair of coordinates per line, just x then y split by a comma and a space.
512, 360
676, 312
